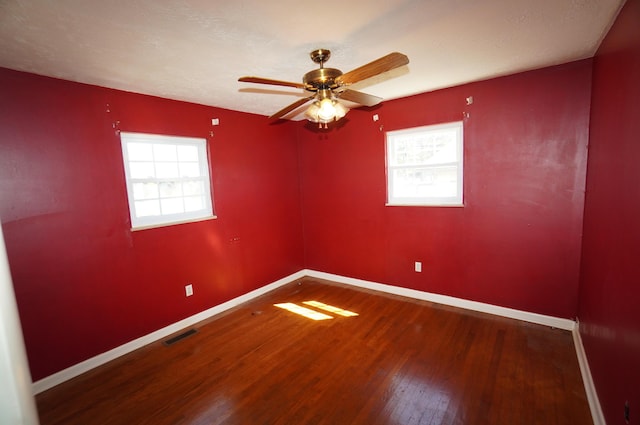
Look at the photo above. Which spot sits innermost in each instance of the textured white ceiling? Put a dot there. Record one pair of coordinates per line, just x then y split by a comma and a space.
195, 50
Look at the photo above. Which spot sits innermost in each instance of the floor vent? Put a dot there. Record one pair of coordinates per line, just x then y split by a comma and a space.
179, 337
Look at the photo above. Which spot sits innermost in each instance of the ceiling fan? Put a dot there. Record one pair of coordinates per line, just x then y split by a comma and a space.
330, 84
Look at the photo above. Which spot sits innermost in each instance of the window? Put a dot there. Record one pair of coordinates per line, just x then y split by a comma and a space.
167, 179
424, 165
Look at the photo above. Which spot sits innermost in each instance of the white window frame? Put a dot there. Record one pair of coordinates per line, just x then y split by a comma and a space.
414, 135
142, 221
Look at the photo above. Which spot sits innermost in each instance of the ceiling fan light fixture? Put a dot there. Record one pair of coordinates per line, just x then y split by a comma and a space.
312, 112
341, 110
325, 109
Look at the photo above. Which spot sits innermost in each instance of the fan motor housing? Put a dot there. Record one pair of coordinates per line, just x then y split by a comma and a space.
323, 78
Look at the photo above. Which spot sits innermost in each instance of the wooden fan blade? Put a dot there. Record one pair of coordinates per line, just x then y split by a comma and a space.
284, 111
361, 98
378, 66
260, 80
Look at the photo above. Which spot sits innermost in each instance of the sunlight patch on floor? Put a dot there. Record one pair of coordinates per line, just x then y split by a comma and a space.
315, 315
303, 311
330, 308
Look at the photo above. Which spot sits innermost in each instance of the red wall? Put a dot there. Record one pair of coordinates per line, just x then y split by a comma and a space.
516, 243
610, 290
84, 282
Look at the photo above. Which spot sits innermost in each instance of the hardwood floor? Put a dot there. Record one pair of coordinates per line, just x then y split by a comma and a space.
398, 362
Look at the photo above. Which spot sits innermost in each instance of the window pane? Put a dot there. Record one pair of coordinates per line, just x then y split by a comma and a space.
147, 208
436, 182
172, 206
437, 149
192, 188
193, 203
425, 165
145, 191
165, 152
170, 189
442, 148
139, 151
167, 178
167, 170
189, 169
188, 153
141, 170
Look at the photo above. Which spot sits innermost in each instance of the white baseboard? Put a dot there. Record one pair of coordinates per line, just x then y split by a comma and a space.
589, 387
526, 316
82, 367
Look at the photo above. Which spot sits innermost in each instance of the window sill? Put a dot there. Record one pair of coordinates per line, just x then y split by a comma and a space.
425, 205
173, 223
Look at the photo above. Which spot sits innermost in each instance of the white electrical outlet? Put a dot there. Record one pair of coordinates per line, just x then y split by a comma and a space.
418, 266
188, 290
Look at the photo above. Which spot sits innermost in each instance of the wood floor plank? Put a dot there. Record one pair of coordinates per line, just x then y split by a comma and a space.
399, 361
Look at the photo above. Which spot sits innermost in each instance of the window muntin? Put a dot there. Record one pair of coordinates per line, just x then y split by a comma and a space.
167, 179
425, 165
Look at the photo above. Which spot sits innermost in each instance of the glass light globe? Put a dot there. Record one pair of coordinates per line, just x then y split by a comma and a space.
327, 110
